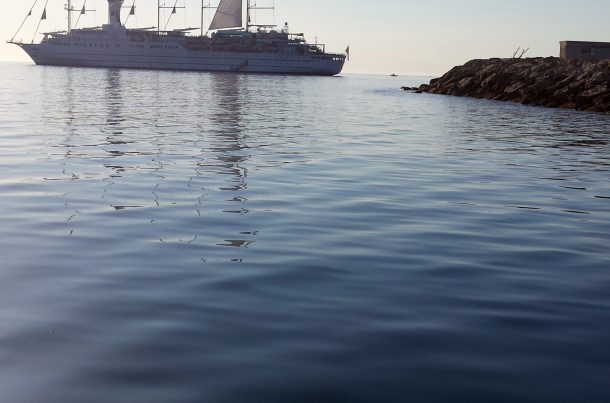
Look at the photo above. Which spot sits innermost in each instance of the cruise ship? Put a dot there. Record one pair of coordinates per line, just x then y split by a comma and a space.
231, 46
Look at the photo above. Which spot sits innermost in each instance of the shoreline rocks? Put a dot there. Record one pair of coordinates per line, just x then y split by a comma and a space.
552, 82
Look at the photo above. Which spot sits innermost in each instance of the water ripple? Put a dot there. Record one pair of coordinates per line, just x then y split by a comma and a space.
217, 237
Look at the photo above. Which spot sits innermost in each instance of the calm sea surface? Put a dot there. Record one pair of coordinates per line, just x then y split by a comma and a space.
194, 237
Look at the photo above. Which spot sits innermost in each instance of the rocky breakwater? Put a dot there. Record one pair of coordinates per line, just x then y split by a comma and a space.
552, 82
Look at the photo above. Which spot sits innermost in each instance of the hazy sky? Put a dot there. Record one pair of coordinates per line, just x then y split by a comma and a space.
385, 36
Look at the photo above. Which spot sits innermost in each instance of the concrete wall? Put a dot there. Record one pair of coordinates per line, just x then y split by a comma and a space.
572, 50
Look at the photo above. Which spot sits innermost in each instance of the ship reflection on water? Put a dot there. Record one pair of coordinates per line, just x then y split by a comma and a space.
147, 150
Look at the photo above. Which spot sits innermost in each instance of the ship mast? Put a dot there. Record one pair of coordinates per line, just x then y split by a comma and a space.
249, 8
247, 15
69, 8
205, 5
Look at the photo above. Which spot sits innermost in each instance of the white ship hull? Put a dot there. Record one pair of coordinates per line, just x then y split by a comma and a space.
175, 57
227, 49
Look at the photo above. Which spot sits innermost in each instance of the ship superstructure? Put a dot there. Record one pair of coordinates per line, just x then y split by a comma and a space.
230, 46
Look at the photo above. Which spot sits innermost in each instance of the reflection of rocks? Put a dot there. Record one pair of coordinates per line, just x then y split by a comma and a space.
581, 85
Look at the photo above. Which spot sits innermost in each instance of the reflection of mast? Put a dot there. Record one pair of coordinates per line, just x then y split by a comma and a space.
114, 100
228, 117
230, 151
70, 143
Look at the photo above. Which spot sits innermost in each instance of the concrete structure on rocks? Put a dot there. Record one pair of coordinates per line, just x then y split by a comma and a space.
573, 50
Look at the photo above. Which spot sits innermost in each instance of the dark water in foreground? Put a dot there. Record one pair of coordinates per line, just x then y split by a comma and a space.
189, 237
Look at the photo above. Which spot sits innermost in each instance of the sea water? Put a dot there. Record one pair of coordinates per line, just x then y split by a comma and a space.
199, 237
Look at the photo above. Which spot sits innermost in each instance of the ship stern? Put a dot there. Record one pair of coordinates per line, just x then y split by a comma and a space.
334, 66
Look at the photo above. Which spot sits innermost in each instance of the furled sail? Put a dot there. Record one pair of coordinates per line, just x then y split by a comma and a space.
228, 15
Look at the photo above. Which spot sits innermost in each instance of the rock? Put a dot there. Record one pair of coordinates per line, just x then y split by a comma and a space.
594, 92
512, 88
552, 82
569, 105
465, 82
489, 80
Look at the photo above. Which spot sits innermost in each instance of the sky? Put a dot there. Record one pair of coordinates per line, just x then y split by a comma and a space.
408, 37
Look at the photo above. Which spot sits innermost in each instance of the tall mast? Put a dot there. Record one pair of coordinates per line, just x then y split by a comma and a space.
205, 5
249, 8
247, 15
158, 16
69, 15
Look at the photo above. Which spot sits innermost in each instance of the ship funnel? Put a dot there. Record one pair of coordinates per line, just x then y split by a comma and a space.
114, 12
